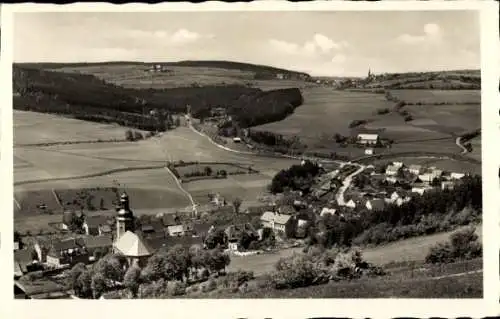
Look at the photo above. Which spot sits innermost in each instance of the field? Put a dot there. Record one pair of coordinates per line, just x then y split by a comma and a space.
438, 96
137, 167
408, 250
38, 128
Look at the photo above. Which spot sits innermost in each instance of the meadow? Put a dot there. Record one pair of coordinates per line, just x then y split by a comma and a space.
437, 97
39, 128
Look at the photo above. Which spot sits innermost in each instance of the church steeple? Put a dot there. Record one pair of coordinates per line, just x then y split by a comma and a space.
125, 217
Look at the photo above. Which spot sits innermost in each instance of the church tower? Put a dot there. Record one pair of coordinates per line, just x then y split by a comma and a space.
125, 217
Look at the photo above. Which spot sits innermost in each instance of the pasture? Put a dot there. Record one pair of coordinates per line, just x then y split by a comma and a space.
403, 251
431, 97
39, 128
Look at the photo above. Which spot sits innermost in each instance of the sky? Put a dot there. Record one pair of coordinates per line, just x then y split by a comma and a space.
342, 43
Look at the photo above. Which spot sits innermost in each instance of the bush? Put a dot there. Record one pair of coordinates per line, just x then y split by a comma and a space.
176, 288
208, 286
463, 244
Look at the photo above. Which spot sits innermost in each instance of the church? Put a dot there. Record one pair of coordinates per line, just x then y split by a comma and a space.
127, 242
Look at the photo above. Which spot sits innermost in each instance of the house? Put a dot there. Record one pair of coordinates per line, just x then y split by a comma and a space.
153, 226
176, 230
369, 151
391, 179
447, 185
375, 204
97, 246
398, 164
456, 175
426, 178
368, 139
237, 140
436, 173
392, 170
415, 169
134, 248
420, 189
351, 204
394, 197
326, 211
170, 220
68, 251
281, 223
93, 225
24, 261
259, 210
400, 201
301, 231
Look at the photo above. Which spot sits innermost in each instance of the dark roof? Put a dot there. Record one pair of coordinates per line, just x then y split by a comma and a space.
65, 244
23, 257
201, 227
38, 286
96, 221
258, 210
377, 204
91, 242
170, 220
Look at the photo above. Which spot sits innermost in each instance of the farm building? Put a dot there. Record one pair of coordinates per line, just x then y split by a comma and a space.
278, 222
176, 230
97, 245
237, 140
369, 151
67, 252
96, 225
368, 139
420, 189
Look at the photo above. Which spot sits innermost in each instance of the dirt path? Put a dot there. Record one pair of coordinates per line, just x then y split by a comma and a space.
346, 184
458, 141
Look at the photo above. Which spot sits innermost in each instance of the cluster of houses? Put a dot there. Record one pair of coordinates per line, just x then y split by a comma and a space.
418, 178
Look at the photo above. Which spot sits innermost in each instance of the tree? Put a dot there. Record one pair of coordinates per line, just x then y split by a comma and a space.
216, 238
110, 267
74, 278
84, 285
178, 262
132, 280
237, 204
208, 170
218, 260
101, 204
98, 285
138, 136
129, 136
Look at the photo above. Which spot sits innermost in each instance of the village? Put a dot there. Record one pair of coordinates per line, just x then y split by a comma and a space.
282, 222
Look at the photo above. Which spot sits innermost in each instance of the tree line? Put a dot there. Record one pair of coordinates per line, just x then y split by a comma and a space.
89, 98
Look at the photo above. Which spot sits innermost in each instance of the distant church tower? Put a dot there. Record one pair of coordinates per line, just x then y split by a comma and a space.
125, 217
370, 74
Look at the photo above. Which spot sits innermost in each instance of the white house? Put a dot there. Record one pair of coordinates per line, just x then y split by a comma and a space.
398, 164
326, 211
457, 175
351, 204
369, 151
447, 185
368, 139
415, 169
420, 189
426, 178
237, 140
392, 170
391, 179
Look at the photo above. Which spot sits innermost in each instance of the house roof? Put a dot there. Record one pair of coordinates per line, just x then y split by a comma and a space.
96, 221
327, 210
65, 244
368, 136
131, 245
106, 229
23, 258
170, 219
175, 228
392, 168
276, 217
91, 242
377, 204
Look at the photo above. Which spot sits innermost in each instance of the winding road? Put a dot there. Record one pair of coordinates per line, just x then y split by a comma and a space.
458, 141
346, 184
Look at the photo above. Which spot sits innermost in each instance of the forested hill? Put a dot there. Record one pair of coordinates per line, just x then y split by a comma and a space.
86, 97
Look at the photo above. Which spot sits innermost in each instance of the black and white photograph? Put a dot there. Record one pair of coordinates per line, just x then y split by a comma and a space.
247, 154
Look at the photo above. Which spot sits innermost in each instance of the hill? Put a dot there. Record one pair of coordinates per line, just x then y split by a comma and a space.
88, 97
260, 71
438, 80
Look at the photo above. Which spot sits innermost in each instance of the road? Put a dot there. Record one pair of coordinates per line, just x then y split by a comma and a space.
459, 144
346, 184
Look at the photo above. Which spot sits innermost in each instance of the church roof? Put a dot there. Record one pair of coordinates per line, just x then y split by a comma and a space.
131, 245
